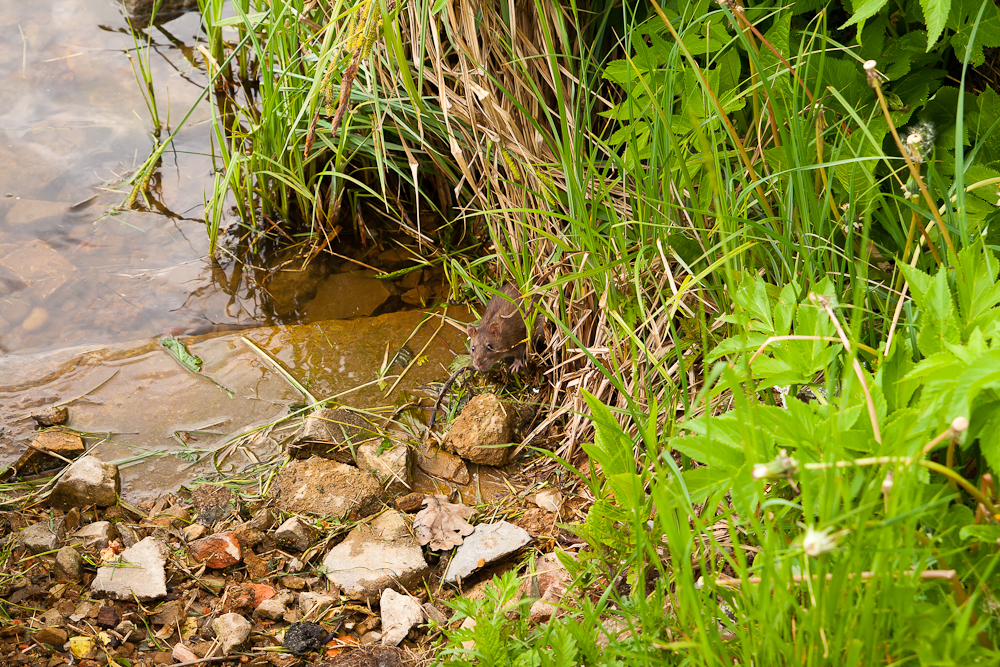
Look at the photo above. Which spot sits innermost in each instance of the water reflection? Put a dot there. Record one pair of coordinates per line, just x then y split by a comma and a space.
73, 123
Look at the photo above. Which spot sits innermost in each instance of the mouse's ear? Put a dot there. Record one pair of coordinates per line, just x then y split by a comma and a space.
493, 329
471, 331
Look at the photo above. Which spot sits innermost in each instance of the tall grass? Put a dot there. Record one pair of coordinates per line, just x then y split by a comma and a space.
715, 208
719, 211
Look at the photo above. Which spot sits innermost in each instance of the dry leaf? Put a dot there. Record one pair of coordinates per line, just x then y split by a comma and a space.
442, 524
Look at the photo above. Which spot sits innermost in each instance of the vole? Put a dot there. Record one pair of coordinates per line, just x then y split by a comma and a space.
501, 334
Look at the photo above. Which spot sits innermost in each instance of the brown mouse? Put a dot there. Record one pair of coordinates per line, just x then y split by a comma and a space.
501, 333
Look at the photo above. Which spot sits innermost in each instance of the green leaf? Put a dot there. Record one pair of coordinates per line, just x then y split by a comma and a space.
989, 533
705, 481
935, 15
867, 9
181, 354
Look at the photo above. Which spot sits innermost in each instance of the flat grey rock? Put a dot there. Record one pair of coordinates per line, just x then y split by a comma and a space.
373, 558
138, 571
326, 488
95, 535
231, 630
89, 481
43, 536
393, 467
488, 544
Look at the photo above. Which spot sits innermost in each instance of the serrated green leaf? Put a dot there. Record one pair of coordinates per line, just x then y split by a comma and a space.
867, 9
935, 16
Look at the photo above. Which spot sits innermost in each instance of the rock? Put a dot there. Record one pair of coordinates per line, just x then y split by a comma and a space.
182, 653
272, 610
443, 465
36, 264
328, 489
141, 12
64, 443
231, 630
51, 416
388, 460
107, 617
216, 551
295, 533
36, 319
69, 565
374, 557
129, 535
305, 636
55, 637
244, 598
482, 433
550, 579
194, 531
315, 604
174, 516
48, 450
420, 296
411, 502
89, 481
97, 535
293, 582
43, 536
138, 571
343, 296
432, 613
251, 533
399, 614
490, 543
331, 433
169, 614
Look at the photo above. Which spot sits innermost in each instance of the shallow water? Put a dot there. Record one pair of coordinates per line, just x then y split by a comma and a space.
84, 294
72, 119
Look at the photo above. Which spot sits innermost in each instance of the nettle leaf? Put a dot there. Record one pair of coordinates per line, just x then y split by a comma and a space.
891, 372
976, 286
962, 19
706, 481
784, 310
770, 66
865, 11
750, 342
984, 427
714, 441
752, 297
897, 58
986, 131
935, 15
981, 375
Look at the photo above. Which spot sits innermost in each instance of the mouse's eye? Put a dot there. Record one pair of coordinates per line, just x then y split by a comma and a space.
472, 347
489, 346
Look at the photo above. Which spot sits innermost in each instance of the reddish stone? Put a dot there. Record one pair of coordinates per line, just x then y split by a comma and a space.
217, 551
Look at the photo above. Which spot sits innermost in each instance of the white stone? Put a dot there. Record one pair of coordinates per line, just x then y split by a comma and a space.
490, 543
138, 571
399, 614
231, 630
372, 558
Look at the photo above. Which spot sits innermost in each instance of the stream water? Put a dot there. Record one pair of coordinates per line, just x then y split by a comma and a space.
84, 294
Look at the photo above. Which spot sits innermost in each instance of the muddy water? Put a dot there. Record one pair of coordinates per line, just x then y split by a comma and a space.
84, 294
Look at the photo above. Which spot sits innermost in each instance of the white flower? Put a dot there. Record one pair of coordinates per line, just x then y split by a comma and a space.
816, 542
